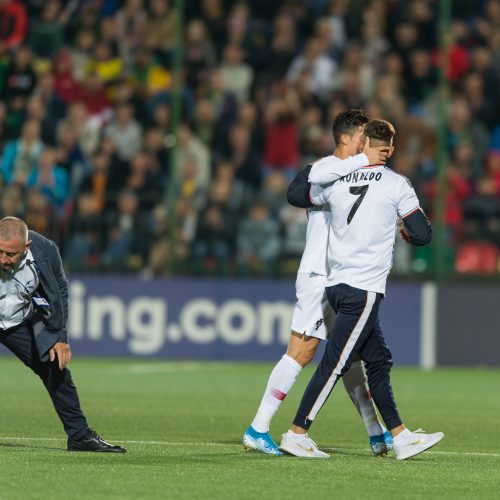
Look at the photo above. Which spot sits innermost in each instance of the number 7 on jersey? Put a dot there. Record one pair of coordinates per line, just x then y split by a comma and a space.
359, 191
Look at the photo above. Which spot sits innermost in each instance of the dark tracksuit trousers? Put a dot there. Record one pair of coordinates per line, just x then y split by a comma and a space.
62, 391
356, 331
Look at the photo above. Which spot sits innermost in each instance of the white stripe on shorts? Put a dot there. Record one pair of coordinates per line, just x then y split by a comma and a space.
351, 342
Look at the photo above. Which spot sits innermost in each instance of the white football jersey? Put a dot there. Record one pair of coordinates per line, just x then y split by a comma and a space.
365, 206
314, 259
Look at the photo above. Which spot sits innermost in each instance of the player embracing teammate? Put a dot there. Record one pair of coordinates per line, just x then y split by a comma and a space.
351, 246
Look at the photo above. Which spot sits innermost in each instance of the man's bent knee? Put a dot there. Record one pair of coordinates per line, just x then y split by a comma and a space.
302, 348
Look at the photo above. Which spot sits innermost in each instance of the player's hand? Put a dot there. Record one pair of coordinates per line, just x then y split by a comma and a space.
377, 155
404, 232
63, 353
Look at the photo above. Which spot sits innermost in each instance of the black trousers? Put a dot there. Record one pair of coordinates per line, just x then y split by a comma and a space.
356, 332
62, 391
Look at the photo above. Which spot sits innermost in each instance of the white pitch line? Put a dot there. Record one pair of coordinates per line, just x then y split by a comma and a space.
176, 443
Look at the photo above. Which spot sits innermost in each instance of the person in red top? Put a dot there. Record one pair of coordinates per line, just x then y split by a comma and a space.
13, 22
281, 150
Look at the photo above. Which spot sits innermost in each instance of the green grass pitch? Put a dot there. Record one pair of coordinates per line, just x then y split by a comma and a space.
183, 422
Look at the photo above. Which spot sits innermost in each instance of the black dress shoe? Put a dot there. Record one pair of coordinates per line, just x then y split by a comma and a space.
92, 442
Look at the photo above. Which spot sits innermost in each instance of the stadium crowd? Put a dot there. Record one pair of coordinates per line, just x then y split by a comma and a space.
87, 120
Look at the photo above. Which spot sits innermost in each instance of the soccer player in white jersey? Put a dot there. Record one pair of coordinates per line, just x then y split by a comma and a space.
365, 208
312, 316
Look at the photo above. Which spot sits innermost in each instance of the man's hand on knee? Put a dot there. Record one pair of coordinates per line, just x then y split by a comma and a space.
63, 352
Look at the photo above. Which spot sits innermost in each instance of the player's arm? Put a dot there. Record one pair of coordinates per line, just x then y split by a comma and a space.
415, 225
298, 190
416, 228
324, 171
329, 169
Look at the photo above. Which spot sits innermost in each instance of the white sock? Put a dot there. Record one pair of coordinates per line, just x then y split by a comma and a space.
356, 386
295, 435
403, 437
280, 382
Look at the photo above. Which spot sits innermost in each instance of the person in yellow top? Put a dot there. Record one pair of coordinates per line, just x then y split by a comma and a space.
105, 63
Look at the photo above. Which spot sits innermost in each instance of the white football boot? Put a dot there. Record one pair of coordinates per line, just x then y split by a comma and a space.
415, 443
301, 446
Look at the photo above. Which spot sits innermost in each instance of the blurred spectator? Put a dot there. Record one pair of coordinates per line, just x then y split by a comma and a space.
50, 179
464, 128
13, 24
273, 193
143, 181
93, 95
242, 154
213, 12
45, 88
483, 211
281, 150
81, 53
70, 155
483, 109
457, 190
100, 183
36, 109
104, 63
208, 126
65, 85
151, 77
124, 131
421, 78
319, 70
283, 47
154, 145
12, 201
200, 56
20, 157
46, 34
192, 151
159, 30
354, 62
20, 78
129, 236
41, 214
87, 129
258, 241
131, 21
214, 240
294, 221
236, 75
85, 236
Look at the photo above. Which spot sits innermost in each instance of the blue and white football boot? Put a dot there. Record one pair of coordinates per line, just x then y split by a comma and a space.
260, 441
381, 444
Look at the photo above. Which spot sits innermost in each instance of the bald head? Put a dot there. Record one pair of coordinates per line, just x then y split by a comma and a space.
14, 243
12, 228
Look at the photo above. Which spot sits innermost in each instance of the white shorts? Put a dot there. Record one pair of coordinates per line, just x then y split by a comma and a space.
312, 314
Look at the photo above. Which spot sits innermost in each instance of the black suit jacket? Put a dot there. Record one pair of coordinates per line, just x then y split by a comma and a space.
49, 325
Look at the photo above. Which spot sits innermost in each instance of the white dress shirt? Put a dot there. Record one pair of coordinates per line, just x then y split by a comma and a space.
16, 289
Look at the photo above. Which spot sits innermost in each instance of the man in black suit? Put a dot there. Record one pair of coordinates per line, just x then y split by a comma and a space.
33, 317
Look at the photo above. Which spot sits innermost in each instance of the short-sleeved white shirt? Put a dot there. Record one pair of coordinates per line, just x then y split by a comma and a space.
365, 206
329, 168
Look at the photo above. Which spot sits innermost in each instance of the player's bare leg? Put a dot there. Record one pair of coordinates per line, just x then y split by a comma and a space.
300, 351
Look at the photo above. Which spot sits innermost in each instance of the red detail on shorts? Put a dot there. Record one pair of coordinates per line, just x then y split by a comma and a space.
278, 394
368, 394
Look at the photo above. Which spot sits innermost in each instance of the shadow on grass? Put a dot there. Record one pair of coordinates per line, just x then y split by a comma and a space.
19, 446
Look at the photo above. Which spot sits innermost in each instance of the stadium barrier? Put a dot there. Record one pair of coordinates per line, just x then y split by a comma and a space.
209, 318
249, 320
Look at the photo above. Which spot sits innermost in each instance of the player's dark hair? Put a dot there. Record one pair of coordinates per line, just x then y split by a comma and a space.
348, 122
380, 132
